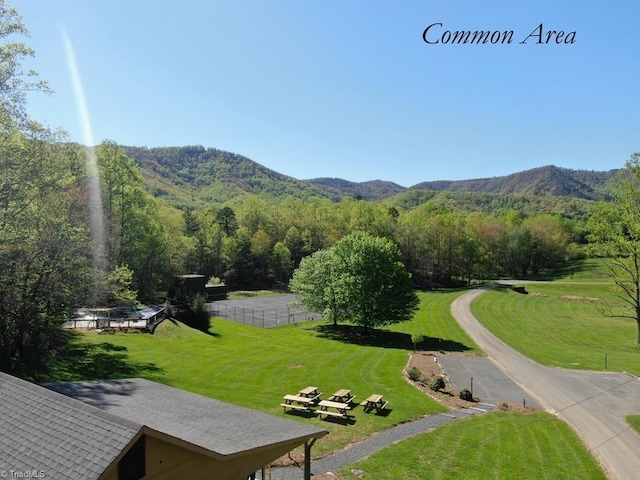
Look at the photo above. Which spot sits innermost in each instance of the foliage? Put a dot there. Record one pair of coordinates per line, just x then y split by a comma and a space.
180, 174
119, 283
615, 236
135, 234
465, 394
414, 373
199, 317
416, 339
43, 236
360, 279
548, 180
437, 383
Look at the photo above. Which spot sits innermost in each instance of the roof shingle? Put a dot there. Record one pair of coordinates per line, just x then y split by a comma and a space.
50, 432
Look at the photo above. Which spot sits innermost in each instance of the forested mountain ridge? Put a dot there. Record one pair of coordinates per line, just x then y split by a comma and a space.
372, 190
548, 180
194, 174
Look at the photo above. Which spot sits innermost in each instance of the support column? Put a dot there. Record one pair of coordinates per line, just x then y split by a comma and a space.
307, 458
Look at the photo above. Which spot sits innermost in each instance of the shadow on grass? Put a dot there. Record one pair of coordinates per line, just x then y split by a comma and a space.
80, 360
383, 338
348, 420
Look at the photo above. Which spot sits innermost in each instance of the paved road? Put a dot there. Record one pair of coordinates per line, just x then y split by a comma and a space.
593, 403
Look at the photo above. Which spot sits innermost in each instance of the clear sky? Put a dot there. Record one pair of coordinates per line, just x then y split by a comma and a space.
349, 88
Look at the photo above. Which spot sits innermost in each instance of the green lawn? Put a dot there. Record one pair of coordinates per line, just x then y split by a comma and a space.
562, 324
634, 421
255, 367
498, 446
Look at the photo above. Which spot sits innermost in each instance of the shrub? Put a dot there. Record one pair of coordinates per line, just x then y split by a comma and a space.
416, 339
437, 383
465, 395
198, 316
414, 374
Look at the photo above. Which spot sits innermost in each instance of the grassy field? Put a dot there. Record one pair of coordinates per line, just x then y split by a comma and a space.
562, 324
497, 446
254, 367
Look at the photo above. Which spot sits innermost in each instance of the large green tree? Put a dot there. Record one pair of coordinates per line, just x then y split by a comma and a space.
43, 236
615, 236
136, 237
360, 279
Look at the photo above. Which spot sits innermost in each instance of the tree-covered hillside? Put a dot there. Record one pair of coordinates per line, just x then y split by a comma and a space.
194, 174
549, 180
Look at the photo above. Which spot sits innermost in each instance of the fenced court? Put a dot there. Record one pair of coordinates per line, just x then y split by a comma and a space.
262, 312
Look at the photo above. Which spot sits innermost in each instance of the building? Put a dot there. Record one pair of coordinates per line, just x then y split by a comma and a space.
135, 428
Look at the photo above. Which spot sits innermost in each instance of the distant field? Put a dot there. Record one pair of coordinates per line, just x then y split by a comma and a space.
584, 270
496, 446
562, 324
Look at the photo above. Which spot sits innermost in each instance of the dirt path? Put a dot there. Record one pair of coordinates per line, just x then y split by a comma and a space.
593, 403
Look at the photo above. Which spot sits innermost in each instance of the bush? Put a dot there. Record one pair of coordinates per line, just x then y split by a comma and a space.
465, 395
198, 315
414, 374
437, 383
416, 339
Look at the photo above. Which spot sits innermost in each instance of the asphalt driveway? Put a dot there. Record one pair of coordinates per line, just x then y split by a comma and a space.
484, 379
593, 403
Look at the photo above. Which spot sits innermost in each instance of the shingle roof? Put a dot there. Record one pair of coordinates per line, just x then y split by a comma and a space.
219, 427
62, 437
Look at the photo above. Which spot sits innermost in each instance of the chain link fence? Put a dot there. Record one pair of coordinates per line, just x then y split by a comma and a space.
260, 317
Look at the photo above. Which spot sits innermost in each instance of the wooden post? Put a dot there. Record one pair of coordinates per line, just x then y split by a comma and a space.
307, 458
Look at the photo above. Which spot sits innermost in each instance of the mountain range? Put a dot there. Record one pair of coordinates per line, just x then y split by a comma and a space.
194, 174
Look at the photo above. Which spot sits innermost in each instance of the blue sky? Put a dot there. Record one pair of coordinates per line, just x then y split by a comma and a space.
349, 88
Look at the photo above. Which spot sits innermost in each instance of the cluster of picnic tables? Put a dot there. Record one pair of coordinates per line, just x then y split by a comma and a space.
336, 405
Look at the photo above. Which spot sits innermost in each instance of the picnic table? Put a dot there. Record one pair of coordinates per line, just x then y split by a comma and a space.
297, 402
374, 402
308, 392
341, 409
342, 396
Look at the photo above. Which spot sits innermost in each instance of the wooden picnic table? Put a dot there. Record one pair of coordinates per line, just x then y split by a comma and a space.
308, 392
325, 405
298, 399
342, 396
297, 402
374, 402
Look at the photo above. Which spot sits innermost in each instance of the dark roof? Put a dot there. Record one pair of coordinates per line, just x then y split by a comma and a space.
221, 428
65, 438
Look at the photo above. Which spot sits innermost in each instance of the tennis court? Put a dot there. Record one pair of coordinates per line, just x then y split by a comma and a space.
265, 311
